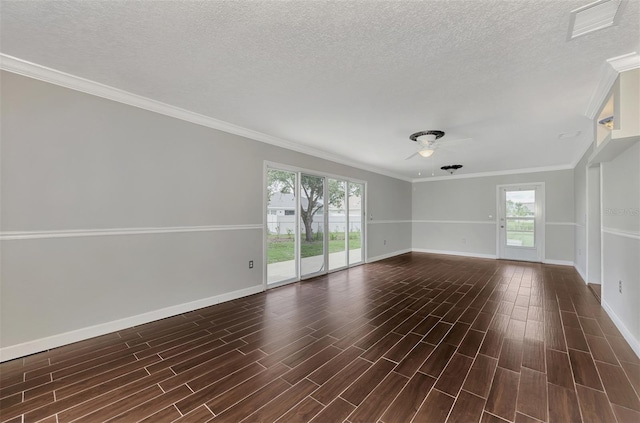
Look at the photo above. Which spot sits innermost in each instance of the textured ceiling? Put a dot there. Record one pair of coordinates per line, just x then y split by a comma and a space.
353, 79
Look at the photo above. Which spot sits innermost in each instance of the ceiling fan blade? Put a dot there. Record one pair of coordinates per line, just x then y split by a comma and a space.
412, 156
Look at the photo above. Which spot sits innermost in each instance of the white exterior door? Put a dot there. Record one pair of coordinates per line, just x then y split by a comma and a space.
521, 222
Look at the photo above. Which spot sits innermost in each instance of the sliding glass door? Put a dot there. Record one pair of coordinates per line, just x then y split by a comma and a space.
356, 213
314, 225
282, 226
338, 233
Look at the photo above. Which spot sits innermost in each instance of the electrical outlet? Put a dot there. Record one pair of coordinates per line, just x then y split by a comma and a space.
250, 264
464, 240
620, 286
385, 242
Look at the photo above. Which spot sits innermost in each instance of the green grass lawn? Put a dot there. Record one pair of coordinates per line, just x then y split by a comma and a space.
526, 238
282, 248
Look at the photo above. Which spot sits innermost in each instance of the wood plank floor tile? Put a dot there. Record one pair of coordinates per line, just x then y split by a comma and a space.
90, 401
199, 415
625, 415
470, 345
532, 394
372, 408
467, 408
511, 355
403, 347
207, 392
412, 361
245, 388
417, 337
330, 368
575, 339
584, 370
122, 405
146, 409
166, 415
454, 374
303, 412
437, 361
523, 418
600, 349
563, 405
357, 392
381, 347
533, 355
559, 369
617, 386
341, 381
490, 418
337, 411
503, 395
633, 373
435, 408
622, 350
406, 404
480, 376
594, 405
250, 403
282, 403
492, 344
482, 322
591, 326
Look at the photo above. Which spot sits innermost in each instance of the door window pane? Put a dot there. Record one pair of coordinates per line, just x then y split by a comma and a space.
520, 232
521, 203
281, 225
520, 218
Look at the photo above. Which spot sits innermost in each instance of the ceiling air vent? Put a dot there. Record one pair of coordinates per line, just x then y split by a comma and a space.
593, 17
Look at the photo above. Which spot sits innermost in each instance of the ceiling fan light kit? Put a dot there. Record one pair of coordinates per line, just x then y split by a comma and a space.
427, 152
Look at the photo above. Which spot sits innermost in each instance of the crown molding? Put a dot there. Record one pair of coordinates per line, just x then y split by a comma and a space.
608, 74
626, 62
608, 77
66, 80
496, 173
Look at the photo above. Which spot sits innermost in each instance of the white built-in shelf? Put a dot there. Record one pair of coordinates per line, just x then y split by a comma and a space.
610, 148
626, 111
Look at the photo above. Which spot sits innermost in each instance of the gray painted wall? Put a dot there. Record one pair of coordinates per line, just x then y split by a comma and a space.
473, 200
71, 161
621, 238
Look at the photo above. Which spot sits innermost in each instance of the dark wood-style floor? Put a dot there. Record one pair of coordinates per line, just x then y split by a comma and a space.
419, 337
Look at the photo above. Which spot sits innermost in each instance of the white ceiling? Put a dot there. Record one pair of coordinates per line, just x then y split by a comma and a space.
352, 79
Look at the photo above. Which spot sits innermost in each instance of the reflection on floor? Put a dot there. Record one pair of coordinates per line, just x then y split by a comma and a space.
284, 270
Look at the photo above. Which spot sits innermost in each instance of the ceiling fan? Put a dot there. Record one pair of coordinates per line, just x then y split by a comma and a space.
428, 142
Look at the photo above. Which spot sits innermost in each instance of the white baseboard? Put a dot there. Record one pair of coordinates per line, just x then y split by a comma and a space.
43, 344
559, 262
454, 253
581, 273
626, 333
388, 255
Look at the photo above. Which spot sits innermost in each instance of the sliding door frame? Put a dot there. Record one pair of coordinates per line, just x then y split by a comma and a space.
265, 202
